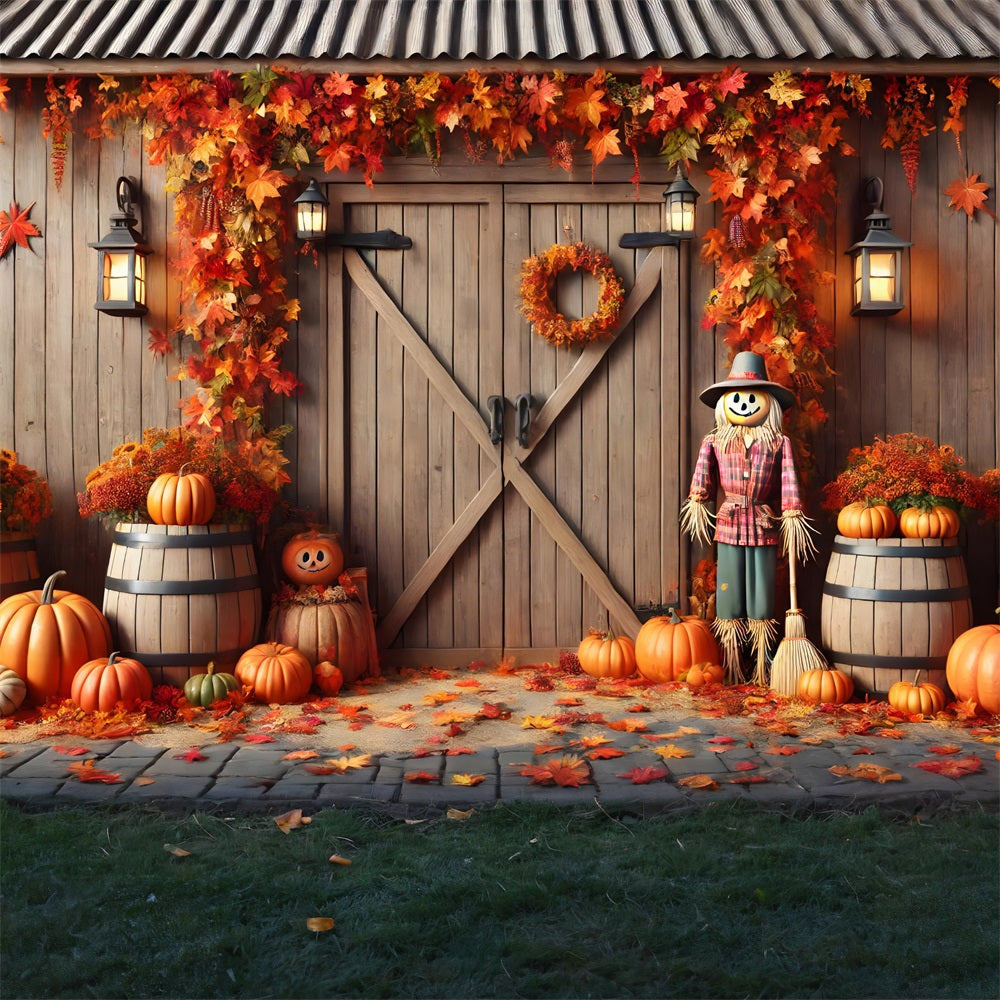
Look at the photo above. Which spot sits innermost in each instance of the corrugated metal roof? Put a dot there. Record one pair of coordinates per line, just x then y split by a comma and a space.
499, 30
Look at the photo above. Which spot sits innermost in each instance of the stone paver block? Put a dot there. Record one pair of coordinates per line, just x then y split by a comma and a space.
16, 756
256, 763
173, 762
283, 791
51, 764
168, 786
389, 773
655, 793
89, 791
412, 793
134, 751
30, 789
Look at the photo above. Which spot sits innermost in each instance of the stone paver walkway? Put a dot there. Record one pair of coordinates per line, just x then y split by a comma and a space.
239, 777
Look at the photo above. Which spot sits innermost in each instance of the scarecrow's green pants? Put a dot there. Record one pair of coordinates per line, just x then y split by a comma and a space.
745, 581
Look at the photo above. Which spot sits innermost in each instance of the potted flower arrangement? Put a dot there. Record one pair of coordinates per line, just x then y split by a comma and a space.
246, 476
25, 501
909, 480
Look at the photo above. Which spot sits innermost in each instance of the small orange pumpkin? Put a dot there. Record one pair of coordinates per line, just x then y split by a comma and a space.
858, 520
703, 673
603, 654
916, 699
668, 646
181, 498
973, 667
938, 522
312, 557
47, 635
825, 686
276, 672
102, 683
328, 678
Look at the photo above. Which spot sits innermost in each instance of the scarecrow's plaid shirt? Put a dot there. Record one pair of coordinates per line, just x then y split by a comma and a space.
755, 481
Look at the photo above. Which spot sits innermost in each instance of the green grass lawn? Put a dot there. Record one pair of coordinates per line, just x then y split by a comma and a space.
513, 902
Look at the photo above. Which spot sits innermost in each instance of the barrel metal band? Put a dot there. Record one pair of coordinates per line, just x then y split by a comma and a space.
896, 596
899, 551
19, 545
176, 588
212, 541
183, 659
891, 662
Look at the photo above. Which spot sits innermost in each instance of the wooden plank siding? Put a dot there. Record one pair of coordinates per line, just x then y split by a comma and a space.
376, 446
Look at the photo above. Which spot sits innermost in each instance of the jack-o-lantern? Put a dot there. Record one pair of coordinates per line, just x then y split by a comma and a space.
747, 407
312, 557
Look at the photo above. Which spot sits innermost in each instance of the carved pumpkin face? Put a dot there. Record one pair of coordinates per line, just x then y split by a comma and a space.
312, 558
746, 407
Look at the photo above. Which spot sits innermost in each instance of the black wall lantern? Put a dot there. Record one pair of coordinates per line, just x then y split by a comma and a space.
679, 198
121, 269
310, 224
877, 261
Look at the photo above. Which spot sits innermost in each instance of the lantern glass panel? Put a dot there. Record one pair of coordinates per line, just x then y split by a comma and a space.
116, 277
680, 216
140, 279
882, 280
311, 219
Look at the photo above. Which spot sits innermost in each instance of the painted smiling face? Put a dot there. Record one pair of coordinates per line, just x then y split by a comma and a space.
746, 407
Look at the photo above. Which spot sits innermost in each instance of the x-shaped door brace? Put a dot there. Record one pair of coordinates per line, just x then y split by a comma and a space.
511, 470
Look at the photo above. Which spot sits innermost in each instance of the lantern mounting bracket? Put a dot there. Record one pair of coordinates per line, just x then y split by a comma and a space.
632, 241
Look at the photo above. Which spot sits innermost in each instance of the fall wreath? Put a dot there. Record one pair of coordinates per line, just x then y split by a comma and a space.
538, 275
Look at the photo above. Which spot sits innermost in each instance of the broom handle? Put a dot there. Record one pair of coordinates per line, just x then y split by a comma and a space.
793, 589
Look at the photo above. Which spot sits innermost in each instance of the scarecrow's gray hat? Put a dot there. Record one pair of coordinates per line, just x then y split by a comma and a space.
748, 372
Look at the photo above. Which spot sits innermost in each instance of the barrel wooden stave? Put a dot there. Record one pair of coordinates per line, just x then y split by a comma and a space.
888, 638
177, 634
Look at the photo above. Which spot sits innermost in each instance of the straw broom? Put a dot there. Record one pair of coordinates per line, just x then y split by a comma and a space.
795, 653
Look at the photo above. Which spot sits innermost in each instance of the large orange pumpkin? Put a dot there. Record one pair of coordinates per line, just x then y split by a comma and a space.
181, 498
47, 635
938, 522
312, 557
276, 672
973, 667
824, 686
339, 630
602, 654
858, 520
668, 646
103, 682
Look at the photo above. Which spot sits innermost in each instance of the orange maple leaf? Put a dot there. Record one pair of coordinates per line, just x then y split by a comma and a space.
867, 772
672, 751
422, 777
675, 98
85, 770
586, 104
604, 143
15, 228
264, 184
952, 768
703, 781
644, 775
542, 93
968, 194
468, 780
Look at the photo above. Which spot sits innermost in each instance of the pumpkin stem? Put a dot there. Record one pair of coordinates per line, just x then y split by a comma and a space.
916, 677
180, 471
113, 657
50, 586
674, 620
211, 667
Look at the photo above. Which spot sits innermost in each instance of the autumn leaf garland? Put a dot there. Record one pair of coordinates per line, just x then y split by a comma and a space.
229, 142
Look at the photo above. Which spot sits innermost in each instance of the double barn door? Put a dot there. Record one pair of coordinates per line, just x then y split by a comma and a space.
505, 494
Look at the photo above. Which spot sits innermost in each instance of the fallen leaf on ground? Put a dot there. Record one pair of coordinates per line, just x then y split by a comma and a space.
71, 751
468, 780
421, 777
341, 765
958, 767
538, 722
568, 771
458, 751
746, 765
191, 756
339, 859
320, 924
683, 731
177, 852
867, 772
291, 820
258, 738
945, 750
86, 770
439, 697
704, 782
591, 741
301, 755
604, 753
749, 779
645, 775
143, 780
863, 750
543, 748
460, 814
783, 750
628, 725
722, 740
670, 750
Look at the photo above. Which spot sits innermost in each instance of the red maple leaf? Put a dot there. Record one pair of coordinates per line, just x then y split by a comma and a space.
968, 194
15, 228
422, 777
604, 753
160, 342
192, 755
568, 771
958, 767
85, 770
644, 775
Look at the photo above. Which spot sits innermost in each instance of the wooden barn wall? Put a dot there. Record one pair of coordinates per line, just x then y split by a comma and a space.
74, 383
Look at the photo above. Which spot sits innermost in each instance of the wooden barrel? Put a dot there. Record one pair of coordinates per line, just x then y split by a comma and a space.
892, 606
179, 597
18, 563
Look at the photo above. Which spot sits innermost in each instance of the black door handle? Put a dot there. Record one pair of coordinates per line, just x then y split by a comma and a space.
495, 404
522, 410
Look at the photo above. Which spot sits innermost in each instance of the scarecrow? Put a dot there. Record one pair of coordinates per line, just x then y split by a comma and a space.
749, 458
